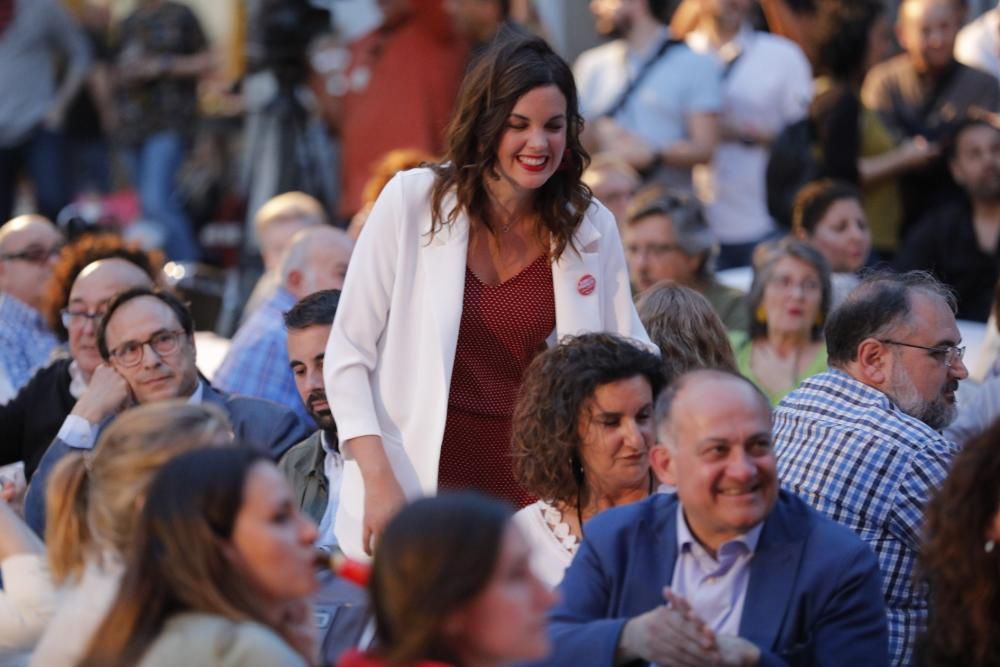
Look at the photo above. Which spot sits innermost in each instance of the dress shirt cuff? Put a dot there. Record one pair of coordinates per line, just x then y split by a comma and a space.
78, 433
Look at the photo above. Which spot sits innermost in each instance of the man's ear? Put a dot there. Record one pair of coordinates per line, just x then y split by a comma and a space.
293, 282
873, 362
661, 460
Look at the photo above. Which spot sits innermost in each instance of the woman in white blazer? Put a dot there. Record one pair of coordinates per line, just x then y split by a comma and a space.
515, 200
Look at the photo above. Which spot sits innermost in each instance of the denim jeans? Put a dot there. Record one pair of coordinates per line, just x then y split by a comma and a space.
154, 165
43, 154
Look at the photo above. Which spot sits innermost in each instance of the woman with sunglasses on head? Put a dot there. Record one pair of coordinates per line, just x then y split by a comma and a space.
452, 586
464, 271
219, 571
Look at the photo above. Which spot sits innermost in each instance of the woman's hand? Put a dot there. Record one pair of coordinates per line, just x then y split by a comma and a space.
383, 494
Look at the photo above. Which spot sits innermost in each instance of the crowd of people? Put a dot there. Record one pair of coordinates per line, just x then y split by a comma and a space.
503, 401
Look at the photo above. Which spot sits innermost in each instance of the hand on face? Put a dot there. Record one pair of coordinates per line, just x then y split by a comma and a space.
106, 395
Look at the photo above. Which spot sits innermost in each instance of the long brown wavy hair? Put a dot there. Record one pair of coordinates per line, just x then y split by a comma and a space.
497, 80
964, 579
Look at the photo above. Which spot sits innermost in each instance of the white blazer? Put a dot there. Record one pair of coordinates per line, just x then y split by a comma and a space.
390, 354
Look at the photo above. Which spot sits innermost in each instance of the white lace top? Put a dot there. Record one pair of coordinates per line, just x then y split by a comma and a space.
553, 544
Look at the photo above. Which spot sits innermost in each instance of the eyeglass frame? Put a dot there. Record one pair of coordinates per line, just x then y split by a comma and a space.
66, 316
956, 352
175, 335
39, 256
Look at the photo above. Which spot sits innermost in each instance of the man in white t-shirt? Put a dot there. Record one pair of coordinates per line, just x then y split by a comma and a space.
668, 121
766, 85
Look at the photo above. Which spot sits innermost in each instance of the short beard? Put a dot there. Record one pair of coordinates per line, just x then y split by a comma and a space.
936, 413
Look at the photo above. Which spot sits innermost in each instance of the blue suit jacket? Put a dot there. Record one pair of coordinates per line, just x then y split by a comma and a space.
813, 598
257, 423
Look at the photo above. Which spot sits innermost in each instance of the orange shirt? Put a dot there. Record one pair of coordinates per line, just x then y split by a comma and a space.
403, 80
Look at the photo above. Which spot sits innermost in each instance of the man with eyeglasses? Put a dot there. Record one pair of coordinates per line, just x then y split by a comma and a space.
862, 443
29, 246
146, 337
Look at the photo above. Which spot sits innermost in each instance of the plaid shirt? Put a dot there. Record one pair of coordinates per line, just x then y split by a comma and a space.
25, 341
845, 448
257, 361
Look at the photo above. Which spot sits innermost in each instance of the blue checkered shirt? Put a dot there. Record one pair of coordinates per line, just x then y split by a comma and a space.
26, 342
845, 448
257, 361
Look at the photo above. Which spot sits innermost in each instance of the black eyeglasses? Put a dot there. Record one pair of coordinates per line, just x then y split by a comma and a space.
68, 317
950, 353
163, 343
33, 254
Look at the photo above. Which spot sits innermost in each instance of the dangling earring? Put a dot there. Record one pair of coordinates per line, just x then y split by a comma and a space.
988, 547
760, 314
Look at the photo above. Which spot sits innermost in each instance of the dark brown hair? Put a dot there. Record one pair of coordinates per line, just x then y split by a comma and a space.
815, 199
557, 387
82, 252
964, 579
177, 562
433, 558
497, 80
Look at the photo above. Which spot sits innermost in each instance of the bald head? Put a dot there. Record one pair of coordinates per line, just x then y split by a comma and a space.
96, 285
29, 248
316, 259
927, 30
280, 218
699, 390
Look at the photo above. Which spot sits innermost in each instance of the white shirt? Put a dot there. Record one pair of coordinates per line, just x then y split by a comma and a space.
79, 433
768, 87
553, 545
333, 467
978, 43
27, 603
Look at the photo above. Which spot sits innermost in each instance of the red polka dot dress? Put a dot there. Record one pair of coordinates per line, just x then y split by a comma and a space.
503, 327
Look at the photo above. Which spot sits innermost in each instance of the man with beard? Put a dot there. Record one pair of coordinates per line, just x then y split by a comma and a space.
314, 465
648, 99
861, 441
959, 243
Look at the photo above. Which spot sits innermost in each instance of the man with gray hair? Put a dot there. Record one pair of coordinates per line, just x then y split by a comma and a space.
666, 237
861, 442
730, 570
257, 361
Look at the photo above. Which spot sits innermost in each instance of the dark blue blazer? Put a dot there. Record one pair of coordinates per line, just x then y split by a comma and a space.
264, 425
814, 595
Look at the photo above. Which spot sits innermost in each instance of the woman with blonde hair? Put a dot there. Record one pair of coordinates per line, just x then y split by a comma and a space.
219, 571
688, 331
93, 504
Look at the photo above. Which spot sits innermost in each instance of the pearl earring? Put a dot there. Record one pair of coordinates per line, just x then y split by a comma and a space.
988, 547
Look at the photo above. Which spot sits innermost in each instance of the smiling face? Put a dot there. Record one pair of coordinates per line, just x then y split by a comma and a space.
918, 381
272, 539
155, 377
717, 450
306, 350
532, 146
93, 289
616, 432
842, 235
506, 622
792, 296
